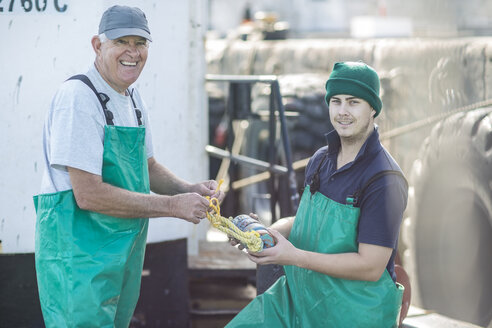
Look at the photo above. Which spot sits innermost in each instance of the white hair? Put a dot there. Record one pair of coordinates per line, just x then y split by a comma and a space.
103, 38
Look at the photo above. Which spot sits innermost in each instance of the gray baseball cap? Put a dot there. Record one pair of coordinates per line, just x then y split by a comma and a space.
119, 21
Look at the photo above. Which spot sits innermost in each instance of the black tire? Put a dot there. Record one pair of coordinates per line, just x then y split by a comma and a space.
307, 122
307, 119
449, 228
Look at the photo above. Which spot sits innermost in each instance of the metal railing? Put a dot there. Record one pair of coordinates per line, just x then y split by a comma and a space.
231, 154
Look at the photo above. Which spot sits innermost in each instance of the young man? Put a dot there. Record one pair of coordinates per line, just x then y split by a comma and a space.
341, 246
95, 196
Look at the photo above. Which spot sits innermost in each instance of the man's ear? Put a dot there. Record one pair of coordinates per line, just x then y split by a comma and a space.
373, 112
96, 44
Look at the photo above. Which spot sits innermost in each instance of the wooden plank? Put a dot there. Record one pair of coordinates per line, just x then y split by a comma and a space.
419, 318
219, 256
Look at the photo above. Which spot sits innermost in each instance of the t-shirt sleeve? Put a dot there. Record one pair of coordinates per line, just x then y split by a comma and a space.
382, 208
77, 129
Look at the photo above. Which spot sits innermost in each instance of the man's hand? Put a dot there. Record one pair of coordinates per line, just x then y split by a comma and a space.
235, 242
189, 206
283, 253
92, 194
208, 188
367, 264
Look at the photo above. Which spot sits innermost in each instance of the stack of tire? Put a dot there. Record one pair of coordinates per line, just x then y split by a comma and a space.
449, 227
307, 123
304, 96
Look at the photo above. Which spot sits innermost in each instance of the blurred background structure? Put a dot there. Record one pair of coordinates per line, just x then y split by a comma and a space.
339, 18
434, 59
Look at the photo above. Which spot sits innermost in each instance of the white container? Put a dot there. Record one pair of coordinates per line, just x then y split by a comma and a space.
42, 47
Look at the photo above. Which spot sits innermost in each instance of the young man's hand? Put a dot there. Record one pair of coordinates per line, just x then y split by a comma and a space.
283, 253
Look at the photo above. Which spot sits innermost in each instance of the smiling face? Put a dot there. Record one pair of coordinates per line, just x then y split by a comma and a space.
120, 61
352, 118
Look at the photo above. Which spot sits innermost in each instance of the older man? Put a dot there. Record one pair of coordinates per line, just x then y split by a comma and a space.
95, 196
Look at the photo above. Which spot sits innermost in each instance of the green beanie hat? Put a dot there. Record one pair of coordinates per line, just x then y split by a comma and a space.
356, 79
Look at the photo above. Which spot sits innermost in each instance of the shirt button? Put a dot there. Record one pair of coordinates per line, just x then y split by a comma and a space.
332, 179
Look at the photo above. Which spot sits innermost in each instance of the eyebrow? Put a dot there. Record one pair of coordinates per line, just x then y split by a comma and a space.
348, 98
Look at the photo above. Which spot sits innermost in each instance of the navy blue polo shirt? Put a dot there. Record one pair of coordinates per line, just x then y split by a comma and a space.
383, 202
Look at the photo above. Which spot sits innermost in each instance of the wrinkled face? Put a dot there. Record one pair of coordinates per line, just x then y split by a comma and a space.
120, 61
352, 117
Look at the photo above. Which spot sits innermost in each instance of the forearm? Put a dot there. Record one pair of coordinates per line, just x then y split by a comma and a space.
164, 182
351, 266
110, 200
92, 194
368, 263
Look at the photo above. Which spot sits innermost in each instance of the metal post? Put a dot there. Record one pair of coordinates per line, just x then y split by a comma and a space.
294, 196
271, 155
274, 169
232, 171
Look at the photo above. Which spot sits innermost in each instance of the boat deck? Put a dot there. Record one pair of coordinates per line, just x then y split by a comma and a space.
222, 282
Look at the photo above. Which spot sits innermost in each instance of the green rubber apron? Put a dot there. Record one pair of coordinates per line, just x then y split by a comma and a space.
305, 298
88, 264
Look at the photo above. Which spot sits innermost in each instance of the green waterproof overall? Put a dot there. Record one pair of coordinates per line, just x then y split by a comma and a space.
308, 299
88, 264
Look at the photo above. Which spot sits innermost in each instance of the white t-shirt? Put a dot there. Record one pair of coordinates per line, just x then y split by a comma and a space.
74, 129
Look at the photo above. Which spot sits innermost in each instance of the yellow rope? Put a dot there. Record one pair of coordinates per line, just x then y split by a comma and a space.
251, 239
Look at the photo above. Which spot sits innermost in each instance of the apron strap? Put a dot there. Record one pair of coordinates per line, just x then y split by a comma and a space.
315, 180
137, 111
102, 97
355, 198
